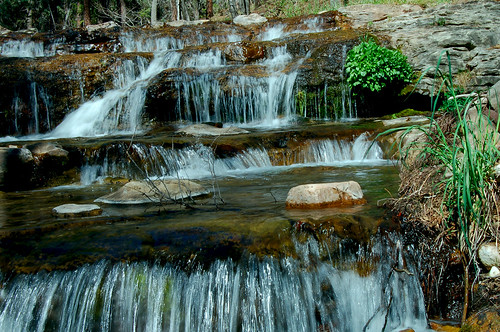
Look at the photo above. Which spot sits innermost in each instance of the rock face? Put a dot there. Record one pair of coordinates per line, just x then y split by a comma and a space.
159, 191
494, 96
323, 195
489, 254
77, 210
469, 32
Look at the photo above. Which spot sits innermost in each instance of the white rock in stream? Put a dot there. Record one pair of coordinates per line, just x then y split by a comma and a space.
489, 254
323, 195
252, 19
77, 210
158, 191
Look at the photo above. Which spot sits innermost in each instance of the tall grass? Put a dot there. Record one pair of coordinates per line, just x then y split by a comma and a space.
463, 153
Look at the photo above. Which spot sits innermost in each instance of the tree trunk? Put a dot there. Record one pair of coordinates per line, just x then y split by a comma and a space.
232, 8
78, 14
86, 12
210, 8
154, 12
175, 9
123, 12
29, 19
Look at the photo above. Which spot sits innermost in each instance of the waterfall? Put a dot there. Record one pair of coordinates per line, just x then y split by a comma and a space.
307, 293
120, 109
140, 42
23, 48
264, 100
199, 161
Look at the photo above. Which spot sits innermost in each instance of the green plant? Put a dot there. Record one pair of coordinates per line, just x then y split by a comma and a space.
373, 67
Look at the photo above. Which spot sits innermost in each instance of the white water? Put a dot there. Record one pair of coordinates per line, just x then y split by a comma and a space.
279, 31
200, 162
265, 101
303, 294
140, 42
26, 48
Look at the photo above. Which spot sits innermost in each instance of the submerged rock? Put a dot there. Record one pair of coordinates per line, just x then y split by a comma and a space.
158, 191
323, 195
77, 210
207, 130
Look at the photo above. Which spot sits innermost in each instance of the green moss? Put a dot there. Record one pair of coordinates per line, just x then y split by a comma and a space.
403, 113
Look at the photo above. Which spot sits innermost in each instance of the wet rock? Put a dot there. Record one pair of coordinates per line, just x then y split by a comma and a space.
159, 191
244, 52
77, 210
323, 195
207, 130
489, 254
48, 149
494, 97
248, 20
485, 321
16, 168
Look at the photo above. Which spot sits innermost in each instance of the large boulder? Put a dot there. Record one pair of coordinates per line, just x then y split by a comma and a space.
324, 195
77, 210
158, 191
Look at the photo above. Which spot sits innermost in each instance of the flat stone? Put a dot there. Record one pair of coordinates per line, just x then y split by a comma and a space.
77, 210
207, 130
489, 254
181, 23
158, 191
324, 195
247, 20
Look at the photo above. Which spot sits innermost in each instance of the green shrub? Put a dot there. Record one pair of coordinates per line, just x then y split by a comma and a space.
373, 67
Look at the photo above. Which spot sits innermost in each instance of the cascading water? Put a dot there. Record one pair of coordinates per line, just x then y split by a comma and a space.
200, 162
309, 293
25, 49
120, 109
266, 100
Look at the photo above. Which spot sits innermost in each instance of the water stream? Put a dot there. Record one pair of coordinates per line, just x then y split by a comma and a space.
235, 261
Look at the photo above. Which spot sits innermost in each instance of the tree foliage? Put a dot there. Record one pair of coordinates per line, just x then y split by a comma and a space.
49, 15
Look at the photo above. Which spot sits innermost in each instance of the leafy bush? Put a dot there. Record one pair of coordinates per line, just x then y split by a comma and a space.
373, 67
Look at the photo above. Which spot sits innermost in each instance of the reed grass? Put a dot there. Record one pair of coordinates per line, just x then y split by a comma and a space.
462, 156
